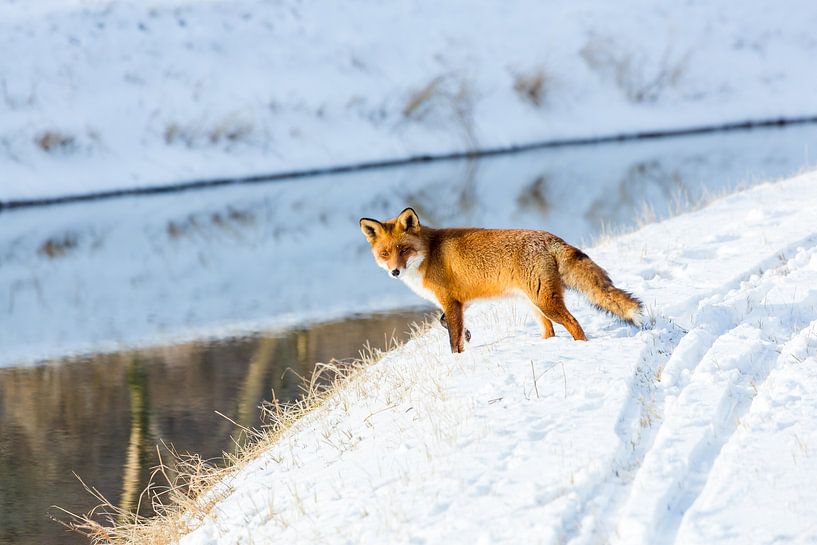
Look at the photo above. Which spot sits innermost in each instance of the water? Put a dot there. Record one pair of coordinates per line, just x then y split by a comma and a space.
102, 416
173, 307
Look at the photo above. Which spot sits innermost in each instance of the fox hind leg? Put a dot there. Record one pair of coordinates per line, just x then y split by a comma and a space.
547, 325
544, 321
550, 304
557, 311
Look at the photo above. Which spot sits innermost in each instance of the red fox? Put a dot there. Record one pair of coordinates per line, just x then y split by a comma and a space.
452, 267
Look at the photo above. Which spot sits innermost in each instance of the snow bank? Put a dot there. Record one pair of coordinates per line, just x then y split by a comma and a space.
100, 95
699, 430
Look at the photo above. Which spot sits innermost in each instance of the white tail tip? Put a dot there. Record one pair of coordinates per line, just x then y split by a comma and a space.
640, 317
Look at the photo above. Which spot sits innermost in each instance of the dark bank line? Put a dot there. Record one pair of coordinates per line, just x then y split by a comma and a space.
389, 163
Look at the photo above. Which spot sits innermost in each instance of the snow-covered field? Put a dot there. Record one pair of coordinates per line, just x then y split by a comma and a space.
112, 275
102, 94
701, 429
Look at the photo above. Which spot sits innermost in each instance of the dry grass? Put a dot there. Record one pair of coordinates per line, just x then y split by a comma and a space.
419, 99
532, 87
183, 492
340, 395
55, 141
641, 80
445, 100
681, 203
228, 131
58, 246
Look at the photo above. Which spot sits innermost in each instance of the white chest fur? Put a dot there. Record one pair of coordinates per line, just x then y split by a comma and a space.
413, 278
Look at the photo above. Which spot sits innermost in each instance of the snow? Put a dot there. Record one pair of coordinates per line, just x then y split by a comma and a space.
102, 95
148, 271
700, 429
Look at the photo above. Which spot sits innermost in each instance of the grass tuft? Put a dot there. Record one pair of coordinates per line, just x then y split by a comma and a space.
182, 493
58, 246
447, 100
532, 87
639, 79
54, 141
227, 132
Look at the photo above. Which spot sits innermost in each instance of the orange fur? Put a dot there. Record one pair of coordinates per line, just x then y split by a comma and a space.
452, 267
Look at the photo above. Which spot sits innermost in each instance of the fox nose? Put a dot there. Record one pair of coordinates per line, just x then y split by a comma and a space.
395, 272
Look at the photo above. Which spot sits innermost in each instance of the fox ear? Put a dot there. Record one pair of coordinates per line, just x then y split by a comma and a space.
408, 221
371, 229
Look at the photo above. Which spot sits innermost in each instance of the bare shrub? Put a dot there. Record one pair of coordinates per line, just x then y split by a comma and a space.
534, 196
58, 246
417, 104
632, 72
174, 230
445, 99
55, 141
532, 87
230, 220
227, 131
174, 133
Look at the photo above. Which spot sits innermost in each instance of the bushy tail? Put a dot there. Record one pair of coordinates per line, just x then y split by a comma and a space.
581, 273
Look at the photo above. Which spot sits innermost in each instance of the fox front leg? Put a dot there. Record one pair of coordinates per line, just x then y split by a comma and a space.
454, 319
445, 325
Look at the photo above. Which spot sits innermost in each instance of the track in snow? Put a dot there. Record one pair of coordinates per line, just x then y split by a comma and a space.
687, 397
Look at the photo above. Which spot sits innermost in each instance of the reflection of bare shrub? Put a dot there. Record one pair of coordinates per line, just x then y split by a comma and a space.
451, 199
54, 141
643, 184
174, 230
534, 197
244, 217
444, 99
532, 87
229, 221
58, 246
633, 73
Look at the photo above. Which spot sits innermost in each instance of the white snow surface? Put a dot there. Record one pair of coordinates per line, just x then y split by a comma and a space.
100, 95
700, 429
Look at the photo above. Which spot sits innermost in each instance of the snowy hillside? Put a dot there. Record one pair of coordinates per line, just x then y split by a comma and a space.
701, 429
98, 95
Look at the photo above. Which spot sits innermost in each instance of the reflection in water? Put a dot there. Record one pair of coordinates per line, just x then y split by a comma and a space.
645, 183
102, 417
253, 387
133, 471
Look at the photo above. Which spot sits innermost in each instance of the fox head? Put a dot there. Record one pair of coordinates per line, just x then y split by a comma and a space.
396, 243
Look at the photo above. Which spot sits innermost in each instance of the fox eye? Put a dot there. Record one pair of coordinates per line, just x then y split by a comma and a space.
404, 250
384, 253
